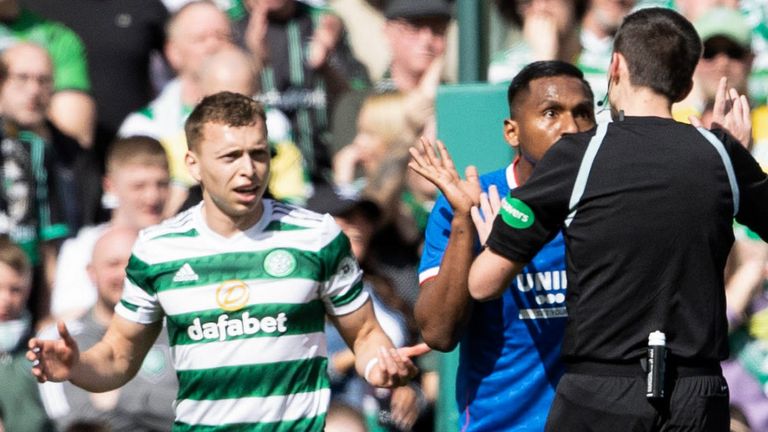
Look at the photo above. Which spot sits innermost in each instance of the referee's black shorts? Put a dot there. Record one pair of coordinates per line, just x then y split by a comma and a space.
587, 400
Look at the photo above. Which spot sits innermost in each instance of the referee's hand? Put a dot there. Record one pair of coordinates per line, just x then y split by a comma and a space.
731, 112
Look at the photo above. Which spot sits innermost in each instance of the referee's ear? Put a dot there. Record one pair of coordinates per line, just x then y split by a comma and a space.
511, 131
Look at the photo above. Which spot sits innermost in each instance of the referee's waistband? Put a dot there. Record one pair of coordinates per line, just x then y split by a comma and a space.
675, 366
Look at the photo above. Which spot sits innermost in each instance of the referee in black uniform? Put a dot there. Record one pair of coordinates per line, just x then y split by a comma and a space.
646, 205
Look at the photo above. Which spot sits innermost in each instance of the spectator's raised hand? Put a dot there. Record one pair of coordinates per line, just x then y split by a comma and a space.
256, 31
53, 360
462, 195
420, 102
540, 32
324, 40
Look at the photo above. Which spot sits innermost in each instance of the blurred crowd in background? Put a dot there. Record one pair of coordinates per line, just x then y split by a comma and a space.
93, 99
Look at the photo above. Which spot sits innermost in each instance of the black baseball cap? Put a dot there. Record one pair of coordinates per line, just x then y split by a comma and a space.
415, 9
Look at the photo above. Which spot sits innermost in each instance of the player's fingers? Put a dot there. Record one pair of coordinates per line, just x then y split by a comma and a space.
414, 350
33, 343
386, 363
429, 152
445, 157
470, 172
417, 157
64, 333
403, 366
485, 206
39, 375
33, 354
494, 199
477, 217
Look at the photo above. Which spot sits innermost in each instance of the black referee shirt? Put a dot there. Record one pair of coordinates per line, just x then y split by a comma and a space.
647, 245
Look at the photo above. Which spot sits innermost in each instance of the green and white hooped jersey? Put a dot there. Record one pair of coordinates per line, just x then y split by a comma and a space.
245, 314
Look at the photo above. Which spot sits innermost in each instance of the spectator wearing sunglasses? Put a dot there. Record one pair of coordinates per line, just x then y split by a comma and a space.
728, 52
726, 38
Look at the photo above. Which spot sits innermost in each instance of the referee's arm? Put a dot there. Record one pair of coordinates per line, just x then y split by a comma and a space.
752, 185
491, 274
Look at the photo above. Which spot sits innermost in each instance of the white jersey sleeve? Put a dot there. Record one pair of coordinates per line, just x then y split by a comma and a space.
342, 291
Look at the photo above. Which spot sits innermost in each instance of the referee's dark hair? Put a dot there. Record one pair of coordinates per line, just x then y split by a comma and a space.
661, 48
542, 69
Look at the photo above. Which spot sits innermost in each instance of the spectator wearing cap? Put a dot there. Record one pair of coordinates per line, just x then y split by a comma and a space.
415, 32
726, 37
727, 52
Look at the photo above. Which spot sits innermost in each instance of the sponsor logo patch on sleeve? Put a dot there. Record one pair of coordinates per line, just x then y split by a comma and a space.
516, 213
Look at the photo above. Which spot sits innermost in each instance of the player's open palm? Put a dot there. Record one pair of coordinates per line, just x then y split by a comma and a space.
484, 214
53, 360
462, 195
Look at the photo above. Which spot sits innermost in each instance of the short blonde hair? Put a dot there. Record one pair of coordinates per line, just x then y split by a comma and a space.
136, 150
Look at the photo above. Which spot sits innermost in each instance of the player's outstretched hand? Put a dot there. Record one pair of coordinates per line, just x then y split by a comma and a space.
394, 367
490, 203
53, 360
462, 195
731, 112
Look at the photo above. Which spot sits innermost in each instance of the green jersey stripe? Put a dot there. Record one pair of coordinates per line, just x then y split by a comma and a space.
238, 265
136, 272
284, 226
261, 320
258, 380
311, 424
351, 294
131, 307
336, 253
190, 233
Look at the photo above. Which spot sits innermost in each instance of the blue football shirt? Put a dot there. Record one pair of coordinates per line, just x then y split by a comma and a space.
509, 356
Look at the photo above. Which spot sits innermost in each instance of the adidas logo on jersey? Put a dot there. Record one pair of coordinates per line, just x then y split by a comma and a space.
185, 274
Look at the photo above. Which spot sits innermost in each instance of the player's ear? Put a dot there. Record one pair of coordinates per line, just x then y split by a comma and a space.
193, 165
511, 133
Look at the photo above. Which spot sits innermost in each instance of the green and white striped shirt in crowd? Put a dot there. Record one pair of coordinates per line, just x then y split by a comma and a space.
245, 314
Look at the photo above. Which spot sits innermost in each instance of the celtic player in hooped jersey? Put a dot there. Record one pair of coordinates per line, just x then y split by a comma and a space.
244, 284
